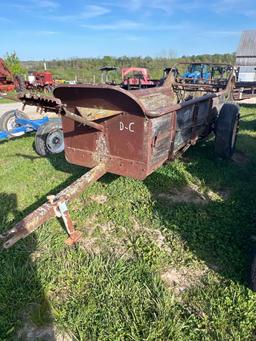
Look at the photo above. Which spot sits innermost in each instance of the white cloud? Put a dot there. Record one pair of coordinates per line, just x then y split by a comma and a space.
172, 7
167, 6
5, 20
32, 5
49, 4
90, 11
135, 25
221, 33
46, 33
119, 25
241, 7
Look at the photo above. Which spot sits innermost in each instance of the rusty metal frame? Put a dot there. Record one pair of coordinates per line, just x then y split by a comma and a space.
130, 133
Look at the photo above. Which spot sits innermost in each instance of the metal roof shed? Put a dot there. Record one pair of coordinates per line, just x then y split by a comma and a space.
246, 52
246, 57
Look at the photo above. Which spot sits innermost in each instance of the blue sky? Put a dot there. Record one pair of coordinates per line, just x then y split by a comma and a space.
38, 29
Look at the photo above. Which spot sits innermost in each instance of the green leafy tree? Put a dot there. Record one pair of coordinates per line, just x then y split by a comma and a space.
13, 63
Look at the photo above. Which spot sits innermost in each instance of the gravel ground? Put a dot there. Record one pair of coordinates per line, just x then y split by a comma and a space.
248, 101
30, 111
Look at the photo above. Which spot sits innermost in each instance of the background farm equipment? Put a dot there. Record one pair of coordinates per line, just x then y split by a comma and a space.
49, 136
22, 126
203, 72
197, 71
40, 81
155, 126
131, 77
8, 81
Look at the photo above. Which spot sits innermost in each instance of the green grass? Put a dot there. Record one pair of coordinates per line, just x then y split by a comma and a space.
110, 286
5, 100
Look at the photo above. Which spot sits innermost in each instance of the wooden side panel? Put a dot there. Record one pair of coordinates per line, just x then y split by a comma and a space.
191, 122
162, 134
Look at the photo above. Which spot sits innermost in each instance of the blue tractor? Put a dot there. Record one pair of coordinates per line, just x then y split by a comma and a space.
196, 71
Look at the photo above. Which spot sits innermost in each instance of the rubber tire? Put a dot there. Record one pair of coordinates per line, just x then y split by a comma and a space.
227, 121
42, 133
252, 278
5, 117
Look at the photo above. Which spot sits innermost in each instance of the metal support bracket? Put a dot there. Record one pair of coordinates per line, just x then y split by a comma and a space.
61, 211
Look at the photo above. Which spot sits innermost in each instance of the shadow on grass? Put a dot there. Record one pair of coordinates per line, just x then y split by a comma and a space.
59, 163
248, 125
20, 316
219, 232
247, 105
14, 138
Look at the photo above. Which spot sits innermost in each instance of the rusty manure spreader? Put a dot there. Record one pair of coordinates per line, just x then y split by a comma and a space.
132, 133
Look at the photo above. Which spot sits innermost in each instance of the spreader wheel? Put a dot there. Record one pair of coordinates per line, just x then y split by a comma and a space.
226, 129
8, 121
49, 138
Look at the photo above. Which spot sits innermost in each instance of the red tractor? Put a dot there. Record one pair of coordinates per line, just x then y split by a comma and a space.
40, 81
9, 82
131, 77
136, 77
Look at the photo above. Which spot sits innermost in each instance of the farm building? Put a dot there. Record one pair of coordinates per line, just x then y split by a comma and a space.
246, 57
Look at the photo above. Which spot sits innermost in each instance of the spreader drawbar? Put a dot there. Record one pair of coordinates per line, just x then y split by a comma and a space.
56, 206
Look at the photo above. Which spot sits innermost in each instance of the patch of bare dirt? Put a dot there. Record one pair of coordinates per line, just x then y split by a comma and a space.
193, 194
182, 279
98, 237
35, 255
156, 236
240, 158
100, 199
30, 332
90, 244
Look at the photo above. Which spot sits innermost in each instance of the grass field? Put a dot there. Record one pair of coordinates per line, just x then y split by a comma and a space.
149, 266
5, 100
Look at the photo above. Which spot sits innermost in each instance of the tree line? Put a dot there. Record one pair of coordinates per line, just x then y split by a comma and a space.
87, 69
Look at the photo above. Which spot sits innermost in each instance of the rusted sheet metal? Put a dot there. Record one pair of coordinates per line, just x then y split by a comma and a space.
151, 102
132, 132
137, 140
48, 210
